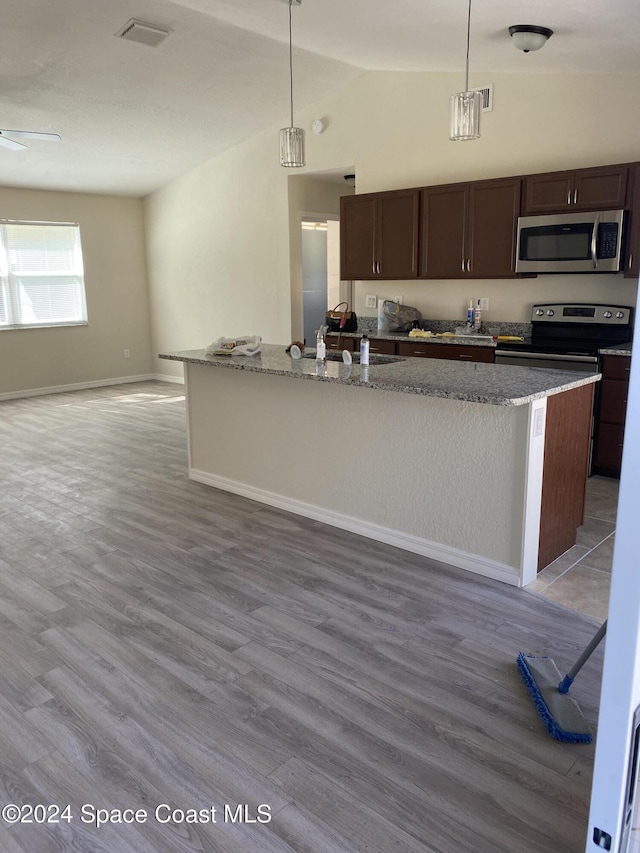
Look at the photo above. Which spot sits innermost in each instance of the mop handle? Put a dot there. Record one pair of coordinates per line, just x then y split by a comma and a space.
567, 681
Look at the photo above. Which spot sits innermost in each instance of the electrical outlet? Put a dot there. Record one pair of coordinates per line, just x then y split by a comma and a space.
370, 301
484, 303
398, 298
127, 353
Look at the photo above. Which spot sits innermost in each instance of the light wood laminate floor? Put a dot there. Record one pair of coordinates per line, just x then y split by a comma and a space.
162, 642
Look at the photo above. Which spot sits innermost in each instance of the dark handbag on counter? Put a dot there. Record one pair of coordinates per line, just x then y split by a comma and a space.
341, 320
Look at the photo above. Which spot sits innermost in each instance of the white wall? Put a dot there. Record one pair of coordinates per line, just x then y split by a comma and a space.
112, 234
220, 239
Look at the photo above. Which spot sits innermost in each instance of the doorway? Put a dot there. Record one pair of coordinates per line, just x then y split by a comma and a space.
321, 285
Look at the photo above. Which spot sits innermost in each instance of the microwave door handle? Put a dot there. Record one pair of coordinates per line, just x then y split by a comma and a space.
594, 242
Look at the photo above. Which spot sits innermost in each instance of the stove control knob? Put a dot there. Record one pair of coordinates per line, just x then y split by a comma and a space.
608, 315
539, 312
619, 315
550, 313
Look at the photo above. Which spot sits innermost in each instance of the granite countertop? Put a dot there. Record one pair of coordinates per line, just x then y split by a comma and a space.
464, 340
620, 349
472, 382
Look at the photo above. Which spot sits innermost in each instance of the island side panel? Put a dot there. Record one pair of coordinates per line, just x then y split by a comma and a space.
435, 476
566, 463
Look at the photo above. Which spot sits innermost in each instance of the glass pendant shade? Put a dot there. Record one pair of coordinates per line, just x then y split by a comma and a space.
292, 147
465, 109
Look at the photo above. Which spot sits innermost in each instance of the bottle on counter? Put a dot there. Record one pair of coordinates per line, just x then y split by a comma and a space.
477, 317
470, 314
321, 347
364, 350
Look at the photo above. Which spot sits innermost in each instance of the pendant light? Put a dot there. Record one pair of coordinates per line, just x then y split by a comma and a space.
291, 138
465, 108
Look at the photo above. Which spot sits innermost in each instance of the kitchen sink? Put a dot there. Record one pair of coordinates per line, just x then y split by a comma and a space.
374, 358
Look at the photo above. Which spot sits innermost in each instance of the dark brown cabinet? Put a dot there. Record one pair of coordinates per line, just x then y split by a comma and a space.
469, 230
632, 249
378, 345
338, 342
379, 234
611, 413
452, 352
600, 188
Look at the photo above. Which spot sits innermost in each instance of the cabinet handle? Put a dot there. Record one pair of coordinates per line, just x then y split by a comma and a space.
575, 196
463, 263
465, 356
418, 352
630, 261
469, 265
569, 197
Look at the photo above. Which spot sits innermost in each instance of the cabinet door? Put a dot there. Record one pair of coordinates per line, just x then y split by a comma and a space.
492, 228
548, 193
608, 455
600, 189
450, 352
443, 231
616, 367
397, 234
381, 346
632, 249
613, 401
337, 342
357, 236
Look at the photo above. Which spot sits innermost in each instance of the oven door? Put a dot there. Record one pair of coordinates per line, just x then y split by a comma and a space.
570, 242
555, 361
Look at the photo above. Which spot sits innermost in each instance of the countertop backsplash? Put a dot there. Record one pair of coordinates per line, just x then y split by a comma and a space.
523, 330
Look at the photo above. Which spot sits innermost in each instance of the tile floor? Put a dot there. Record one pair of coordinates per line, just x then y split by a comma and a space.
580, 578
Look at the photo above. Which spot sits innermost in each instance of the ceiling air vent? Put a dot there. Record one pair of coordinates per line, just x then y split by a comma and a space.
487, 97
141, 32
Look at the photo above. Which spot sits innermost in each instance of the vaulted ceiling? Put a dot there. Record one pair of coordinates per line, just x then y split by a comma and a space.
132, 117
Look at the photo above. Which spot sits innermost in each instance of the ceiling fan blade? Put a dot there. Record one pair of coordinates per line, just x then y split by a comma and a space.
31, 134
9, 143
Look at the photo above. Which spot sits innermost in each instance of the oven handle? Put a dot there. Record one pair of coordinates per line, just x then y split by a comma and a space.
551, 356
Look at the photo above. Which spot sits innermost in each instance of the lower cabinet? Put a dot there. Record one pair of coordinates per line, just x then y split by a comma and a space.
339, 343
378, 345
453, 352
610, 415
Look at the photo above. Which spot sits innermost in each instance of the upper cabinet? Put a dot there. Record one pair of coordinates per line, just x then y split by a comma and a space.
379, 235
632, 249
601, 188
469, 230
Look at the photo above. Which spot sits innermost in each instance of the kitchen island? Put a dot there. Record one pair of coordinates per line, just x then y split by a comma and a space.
477, 465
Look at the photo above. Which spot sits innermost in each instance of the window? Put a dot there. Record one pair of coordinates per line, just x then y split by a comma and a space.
41, 275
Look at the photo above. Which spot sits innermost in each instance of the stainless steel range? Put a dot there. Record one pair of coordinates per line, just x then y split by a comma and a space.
568, 336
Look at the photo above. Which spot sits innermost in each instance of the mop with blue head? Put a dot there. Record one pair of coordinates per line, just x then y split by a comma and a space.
560, 714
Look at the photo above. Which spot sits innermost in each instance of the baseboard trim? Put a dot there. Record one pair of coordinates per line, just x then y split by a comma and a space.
406, 541
161, 377
76, 386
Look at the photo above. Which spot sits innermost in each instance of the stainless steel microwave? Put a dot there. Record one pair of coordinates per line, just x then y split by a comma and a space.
571, 242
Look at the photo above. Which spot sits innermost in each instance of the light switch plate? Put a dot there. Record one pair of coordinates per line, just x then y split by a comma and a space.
370, 301
484, 303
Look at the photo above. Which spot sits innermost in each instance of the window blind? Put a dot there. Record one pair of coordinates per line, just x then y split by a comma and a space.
41, 275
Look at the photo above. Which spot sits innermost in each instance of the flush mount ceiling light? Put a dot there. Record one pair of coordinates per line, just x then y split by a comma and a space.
528, 37
465, 108
291, 138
